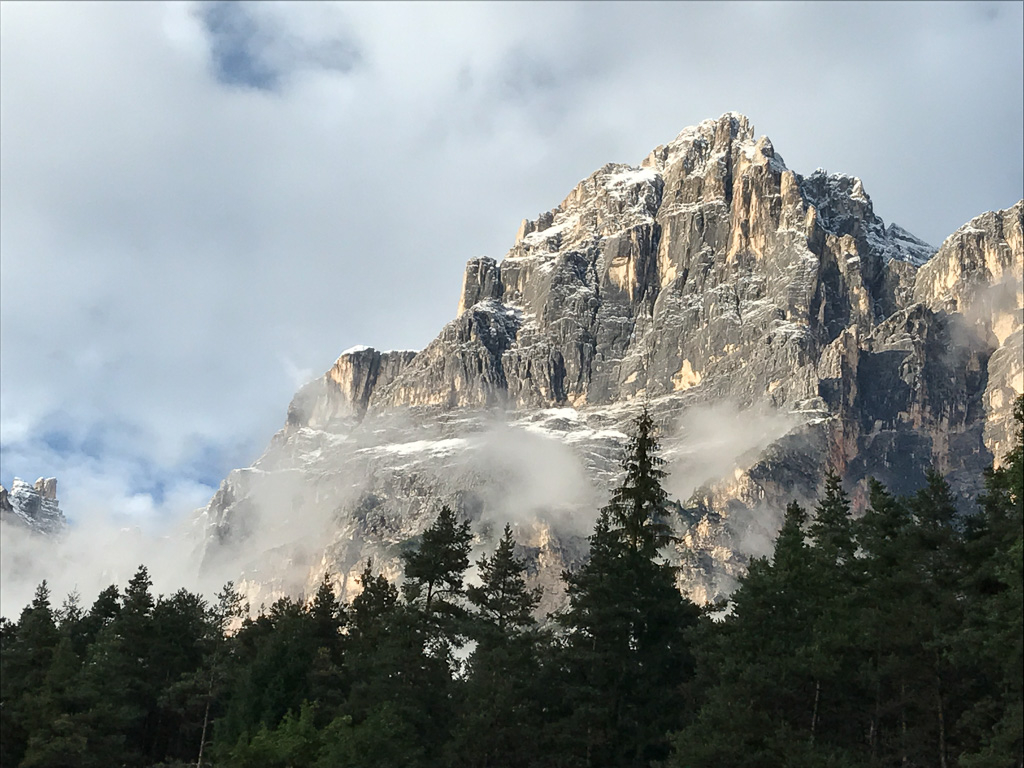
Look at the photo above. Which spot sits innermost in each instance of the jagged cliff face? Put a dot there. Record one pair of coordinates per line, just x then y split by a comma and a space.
978, 277
34, 507
341, 396
709, 274
651, 280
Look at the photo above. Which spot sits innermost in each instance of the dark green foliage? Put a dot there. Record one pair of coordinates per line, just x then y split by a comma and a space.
295, 741
832, 529
500, 715
272, 663
28, 649
626, 658
434, 571
383, 740
761, 668
892, 638
104, 610
377, 598
400, 664
992, 638
637, 508
502, 601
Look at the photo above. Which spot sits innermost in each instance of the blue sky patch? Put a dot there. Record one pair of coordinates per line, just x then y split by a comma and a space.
237, 45
251, 49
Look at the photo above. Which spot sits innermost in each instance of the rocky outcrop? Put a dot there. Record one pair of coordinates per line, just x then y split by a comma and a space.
480, 283
32, 506
709, 276
463, 367
978, 275
342, 394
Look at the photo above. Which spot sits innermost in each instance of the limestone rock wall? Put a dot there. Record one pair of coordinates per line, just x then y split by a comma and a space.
342, 394
650, 280
978, 275
709, 274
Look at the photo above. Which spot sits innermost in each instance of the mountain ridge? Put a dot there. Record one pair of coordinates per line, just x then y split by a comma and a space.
709, 274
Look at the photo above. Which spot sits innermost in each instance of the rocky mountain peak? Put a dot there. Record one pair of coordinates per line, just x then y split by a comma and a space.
33, 506
708, 277
711, 228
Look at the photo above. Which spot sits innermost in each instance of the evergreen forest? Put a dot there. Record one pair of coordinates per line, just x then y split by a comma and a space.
892, 637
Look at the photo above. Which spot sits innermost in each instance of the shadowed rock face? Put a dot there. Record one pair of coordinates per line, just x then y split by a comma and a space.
712, 280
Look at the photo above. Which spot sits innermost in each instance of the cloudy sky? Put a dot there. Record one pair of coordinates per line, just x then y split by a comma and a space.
203, 204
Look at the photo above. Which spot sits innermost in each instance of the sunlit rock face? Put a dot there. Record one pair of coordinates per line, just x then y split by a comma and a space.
978, 276
32, 506
772, 322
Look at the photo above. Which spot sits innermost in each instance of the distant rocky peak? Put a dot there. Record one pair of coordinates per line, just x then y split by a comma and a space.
909, 247
712, 223
843, 205
46, 487
34, 506
613, 199
978, 272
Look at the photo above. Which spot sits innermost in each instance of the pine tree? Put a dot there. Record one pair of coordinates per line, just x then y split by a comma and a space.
117, 684
27, 652
327, 685
936, 555
887, 602
273, 660
832, 531
377, 599
328, 615
61, 737
399, 667
757, 666
103, 611
500, 706
434, 570
832, 594
184, 633
638, 506
502, 600
626, 656
993, 633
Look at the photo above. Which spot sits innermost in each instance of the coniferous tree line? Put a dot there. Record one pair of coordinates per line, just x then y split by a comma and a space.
890, 639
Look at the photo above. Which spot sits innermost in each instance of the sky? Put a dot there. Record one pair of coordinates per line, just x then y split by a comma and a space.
203, 204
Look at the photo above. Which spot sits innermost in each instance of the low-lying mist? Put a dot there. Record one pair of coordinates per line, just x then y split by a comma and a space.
551, 472
711, 442
91, 554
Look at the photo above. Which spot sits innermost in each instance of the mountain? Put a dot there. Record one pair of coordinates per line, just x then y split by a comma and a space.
34, 507
772, 323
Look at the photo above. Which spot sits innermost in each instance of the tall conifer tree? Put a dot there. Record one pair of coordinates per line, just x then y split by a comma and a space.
627, 657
